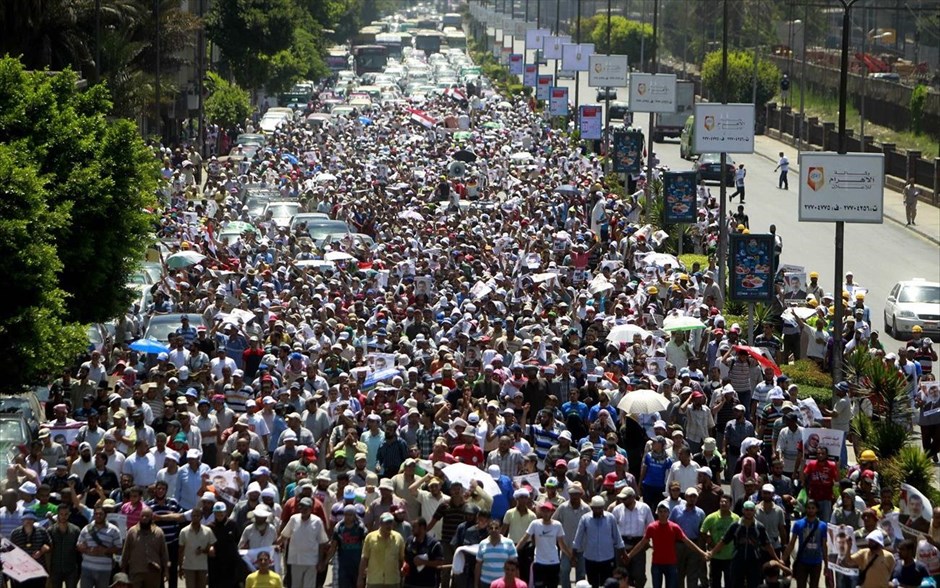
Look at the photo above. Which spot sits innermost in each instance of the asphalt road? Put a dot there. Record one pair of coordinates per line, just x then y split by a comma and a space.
879, 255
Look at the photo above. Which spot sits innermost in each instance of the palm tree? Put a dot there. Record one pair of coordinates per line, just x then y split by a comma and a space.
44, 34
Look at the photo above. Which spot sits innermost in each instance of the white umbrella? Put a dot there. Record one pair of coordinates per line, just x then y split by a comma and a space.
520, 156
682, 323
504, 105
411, 215
625, 333
338, 256
463, 473
661, 259
599, 285
543, 277
324, 177
643, 402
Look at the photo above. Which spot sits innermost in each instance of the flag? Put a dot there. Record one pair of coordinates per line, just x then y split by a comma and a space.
423, 118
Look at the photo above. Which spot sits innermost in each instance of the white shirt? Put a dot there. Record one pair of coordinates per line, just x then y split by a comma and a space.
687, 476
143, 468
633, 523
545, 537
305, 538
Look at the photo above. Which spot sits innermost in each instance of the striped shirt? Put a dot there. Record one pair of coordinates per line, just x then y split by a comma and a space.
493, 557
171, 530
237, 398
543, 439
9, 520
94, 536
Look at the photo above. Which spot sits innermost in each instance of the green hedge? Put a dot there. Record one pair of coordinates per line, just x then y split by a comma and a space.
805, 372
822, 396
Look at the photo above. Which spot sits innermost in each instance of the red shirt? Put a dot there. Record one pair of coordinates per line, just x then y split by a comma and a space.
469, 454
821, 476
501, 583
664, 537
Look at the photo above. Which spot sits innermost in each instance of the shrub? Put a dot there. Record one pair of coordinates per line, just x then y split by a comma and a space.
688, 259
822, 396
911, 466
805, 372
885, 437
917, 104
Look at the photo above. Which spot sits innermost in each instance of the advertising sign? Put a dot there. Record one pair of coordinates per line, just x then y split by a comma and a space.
652, 92
680, 192
530, 75
534, 38
608, 71
591, 121
505, 52
576, 57
507, 25
520, 29
516, 64
727, 128
848, 188
751, 271
627, 151
544, 87
553, 46
558, 101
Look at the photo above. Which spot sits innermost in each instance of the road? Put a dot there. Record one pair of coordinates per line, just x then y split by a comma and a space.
879, 255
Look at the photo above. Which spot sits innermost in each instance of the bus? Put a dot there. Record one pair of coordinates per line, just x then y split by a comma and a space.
452, 19
366, 35
394, 42
429, 41
455, 39
432, 24
370, 58
337, 59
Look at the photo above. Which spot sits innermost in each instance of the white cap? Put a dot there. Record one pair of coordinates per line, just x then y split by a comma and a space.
876, 536
494, 471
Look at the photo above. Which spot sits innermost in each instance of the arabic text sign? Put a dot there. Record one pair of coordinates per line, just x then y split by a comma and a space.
680, 193
534, 38
847, 188
552, 46
19, 565
544, 87
724, 128
652, 92
591, 121
814, 438
558, 101
608, 71
530, 75
751, 268
627, 151
576, 57
516, 64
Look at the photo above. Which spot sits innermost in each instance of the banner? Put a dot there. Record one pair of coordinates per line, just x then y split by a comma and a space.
552, 46
627, 151
530, 482
751, 268
225, 483
652, 92
680, 192
814, 438
847, 188
19, 565
535, 38
517, 64
63, 434
530, 75
576, 57
544, 87
591, 121
929, 395
727, 128
608, 71
916, 511
558, 101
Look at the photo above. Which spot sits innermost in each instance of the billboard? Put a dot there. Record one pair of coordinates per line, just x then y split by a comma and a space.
679, 189
553, 46
751, 268
516, 64
591, 121
847, 187
543, 89
558, 101
724, 128
608, 71
576, 57
627, 151
534, 39
652, 92
530, 75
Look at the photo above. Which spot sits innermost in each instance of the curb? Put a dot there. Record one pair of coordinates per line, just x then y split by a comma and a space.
898, 221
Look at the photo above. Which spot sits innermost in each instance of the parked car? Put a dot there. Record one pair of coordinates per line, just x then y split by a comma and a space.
709, 168
606, 93
26, 404
282, 211
910, 303
14, 433
161, 326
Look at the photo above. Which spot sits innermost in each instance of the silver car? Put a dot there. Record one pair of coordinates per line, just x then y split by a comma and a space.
910, 303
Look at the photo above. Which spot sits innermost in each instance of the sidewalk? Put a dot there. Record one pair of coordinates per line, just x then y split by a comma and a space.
928, 216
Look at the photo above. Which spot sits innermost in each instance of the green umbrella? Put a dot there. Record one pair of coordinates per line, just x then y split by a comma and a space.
241, 227
492, 125
462, 135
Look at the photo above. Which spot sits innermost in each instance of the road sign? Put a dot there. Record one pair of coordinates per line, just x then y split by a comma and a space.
558, 101
652, 92
591, 121
842, 187
608, 71
727, 128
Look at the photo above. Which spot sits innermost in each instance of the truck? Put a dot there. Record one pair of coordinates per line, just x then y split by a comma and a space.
670, 124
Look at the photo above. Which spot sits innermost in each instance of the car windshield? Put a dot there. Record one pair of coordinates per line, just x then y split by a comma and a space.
920, 294
283, 210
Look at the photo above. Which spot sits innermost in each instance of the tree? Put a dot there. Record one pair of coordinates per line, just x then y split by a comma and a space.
626, 36
97, 173
227, 104
740, 77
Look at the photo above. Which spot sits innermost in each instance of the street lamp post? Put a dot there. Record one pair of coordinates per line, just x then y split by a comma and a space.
723, 190
156, 86
577, 73
610, 163
652, 119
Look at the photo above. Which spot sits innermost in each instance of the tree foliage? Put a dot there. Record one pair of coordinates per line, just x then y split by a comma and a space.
626, 36
740, 77
96, 177
227, 104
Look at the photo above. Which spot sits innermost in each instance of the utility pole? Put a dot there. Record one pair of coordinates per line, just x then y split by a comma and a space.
200, 80
723, 189
97, 41
799, 143
557, 32
577, 74
652, 120
157, 99
610, 163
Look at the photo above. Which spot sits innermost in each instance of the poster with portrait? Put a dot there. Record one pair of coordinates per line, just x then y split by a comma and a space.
424, 286
380, 361
627, 149
225, 483
752, 260
928, 555
794, 286
916, 511
680, 191
815, 437
841, 542
591, 121
928, 394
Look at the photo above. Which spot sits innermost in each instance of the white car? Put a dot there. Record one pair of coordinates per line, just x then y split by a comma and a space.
913, 302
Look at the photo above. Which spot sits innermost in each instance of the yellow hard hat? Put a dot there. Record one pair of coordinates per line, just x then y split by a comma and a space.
917, 329
860, 296
813, 303
832, 311
868, 455
746, 232
683, 276
652, 290
741, 227
814, 274
845, 294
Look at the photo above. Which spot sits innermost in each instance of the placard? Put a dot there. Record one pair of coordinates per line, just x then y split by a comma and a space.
816, 437
652, 92
916, 511
627, 151
516, 64
530, 75
18, 565
751, 268
544, 87
680, 191
507, 25
608, 71
576, 57
535, 38
591, 121
558, 101
552, 46
842, 187
727, 128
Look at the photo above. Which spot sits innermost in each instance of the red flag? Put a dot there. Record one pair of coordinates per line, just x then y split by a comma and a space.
763, 360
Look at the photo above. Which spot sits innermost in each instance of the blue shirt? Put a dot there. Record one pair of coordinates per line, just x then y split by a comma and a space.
188, 483
502, 500
656, 471
576, 407
597, 408
810, 538
597, 538
689, 520
493, 557
373, 442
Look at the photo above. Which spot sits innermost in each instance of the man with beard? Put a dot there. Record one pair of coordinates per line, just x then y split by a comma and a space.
167, 514
145, 555
100, 481
98, 542
224, 568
